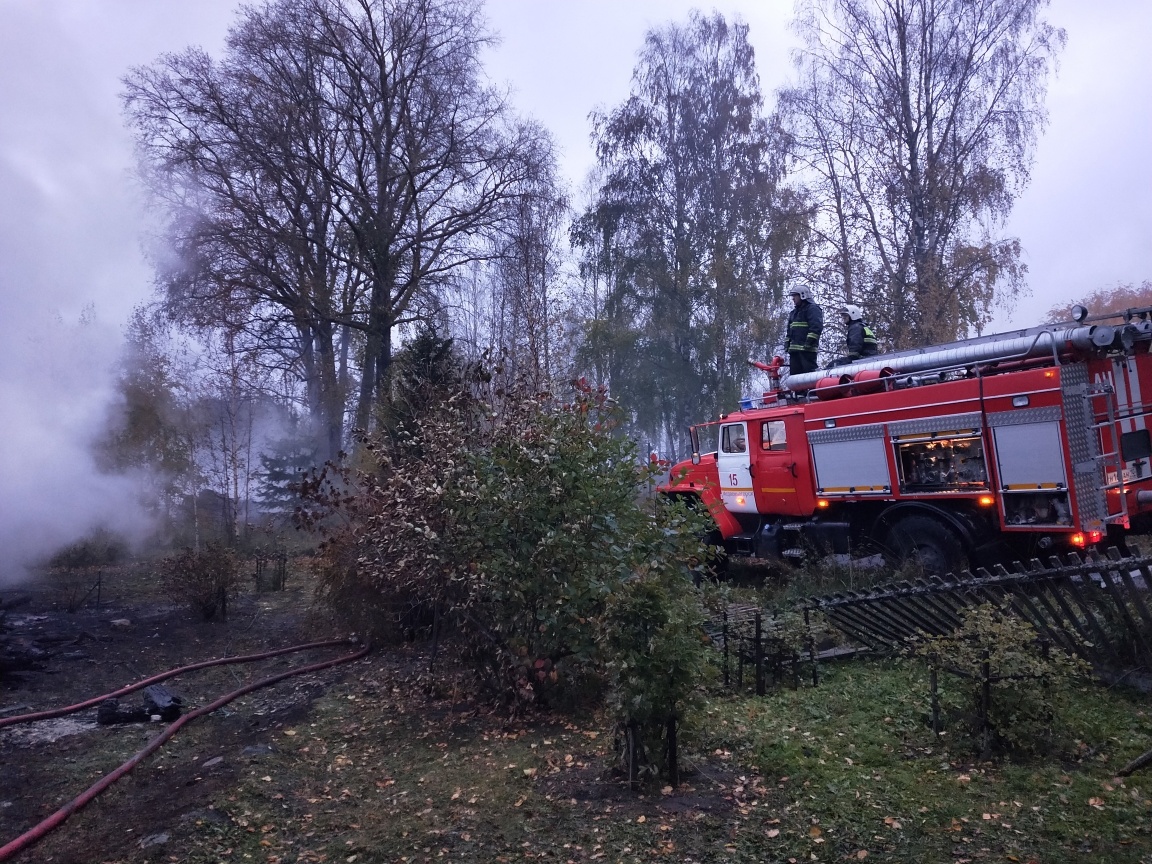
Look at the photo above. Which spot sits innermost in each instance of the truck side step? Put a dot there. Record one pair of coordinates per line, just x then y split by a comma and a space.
743, 544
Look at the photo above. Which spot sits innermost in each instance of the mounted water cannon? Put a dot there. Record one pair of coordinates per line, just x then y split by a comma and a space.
773, 370
1137, 328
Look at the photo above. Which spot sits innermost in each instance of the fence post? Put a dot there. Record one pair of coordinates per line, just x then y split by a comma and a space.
812, 650
282, 570
673, 762
985, 705
759, 649
435, 635
933, 685
633, 755
724, 636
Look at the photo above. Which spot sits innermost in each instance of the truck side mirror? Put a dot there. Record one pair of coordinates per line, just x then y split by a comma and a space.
695, 458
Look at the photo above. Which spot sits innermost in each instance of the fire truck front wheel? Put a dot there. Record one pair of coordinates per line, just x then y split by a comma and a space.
929, 543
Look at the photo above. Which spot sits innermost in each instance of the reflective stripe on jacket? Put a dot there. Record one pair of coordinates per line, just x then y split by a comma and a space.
861, 341
805, 324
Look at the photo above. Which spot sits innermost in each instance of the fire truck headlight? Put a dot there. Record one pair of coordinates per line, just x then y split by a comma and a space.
986, 500
740, 500
822, 504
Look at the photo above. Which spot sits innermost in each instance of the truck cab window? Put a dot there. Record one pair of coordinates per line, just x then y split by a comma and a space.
772, 436
732, 439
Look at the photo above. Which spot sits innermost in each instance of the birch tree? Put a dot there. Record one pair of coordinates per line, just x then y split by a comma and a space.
914, 123
688, 230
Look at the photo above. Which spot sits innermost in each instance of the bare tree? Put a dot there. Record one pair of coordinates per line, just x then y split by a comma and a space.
914, 122
526, 278
341, 164
235, 155
433, 154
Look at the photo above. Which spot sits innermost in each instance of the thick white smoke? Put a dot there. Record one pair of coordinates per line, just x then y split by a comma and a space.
70, 226
54, 389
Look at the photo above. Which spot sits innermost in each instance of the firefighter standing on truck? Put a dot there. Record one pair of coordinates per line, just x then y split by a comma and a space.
802, 339
858, 336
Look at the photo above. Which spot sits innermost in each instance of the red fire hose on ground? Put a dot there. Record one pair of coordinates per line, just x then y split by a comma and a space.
56, 819
163, 676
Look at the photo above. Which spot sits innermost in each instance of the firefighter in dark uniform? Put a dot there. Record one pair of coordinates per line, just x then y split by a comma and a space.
860, 339
802, 339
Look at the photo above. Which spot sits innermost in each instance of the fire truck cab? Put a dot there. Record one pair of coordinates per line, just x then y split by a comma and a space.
1003, 447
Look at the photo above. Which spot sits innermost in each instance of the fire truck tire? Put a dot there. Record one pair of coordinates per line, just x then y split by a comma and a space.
929, 542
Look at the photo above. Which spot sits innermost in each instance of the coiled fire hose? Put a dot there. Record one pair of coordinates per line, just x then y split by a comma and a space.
56, 819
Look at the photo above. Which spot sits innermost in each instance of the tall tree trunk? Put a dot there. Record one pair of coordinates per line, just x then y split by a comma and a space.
330, 397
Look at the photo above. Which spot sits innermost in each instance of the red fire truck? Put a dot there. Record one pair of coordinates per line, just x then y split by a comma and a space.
1008, 446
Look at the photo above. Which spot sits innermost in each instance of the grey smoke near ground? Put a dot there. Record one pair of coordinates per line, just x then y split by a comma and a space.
70, 225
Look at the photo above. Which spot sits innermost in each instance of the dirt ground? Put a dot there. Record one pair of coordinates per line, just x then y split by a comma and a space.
130, 634
168, 808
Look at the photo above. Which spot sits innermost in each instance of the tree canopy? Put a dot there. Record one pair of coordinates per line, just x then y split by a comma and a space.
321, 183
688, 229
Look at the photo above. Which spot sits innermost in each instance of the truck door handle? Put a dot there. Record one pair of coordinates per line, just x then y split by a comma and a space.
792, 468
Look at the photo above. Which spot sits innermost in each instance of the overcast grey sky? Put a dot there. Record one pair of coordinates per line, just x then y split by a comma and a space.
70, 222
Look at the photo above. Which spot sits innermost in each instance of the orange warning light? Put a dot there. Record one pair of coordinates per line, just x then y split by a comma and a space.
1086, 538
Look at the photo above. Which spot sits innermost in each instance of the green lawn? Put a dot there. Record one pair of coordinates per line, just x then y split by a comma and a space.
844, 771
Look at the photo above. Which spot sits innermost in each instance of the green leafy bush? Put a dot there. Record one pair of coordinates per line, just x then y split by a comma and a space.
515, 517
655, 651
1027, 679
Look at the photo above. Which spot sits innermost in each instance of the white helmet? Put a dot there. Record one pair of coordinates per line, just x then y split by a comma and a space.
802, 293
854, 312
